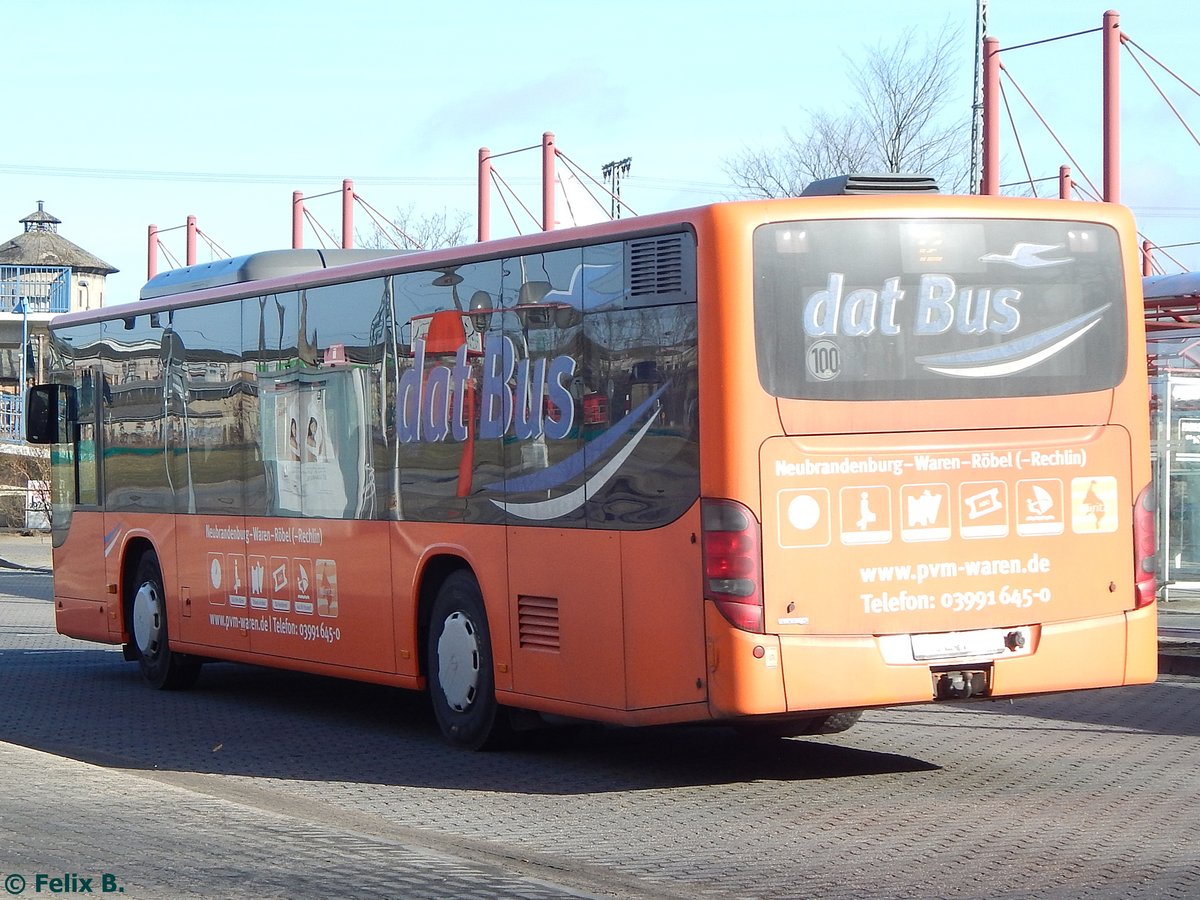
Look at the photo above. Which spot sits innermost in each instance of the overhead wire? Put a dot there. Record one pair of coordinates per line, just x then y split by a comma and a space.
675, 185
213, 245
1128, 40
378, 218
1050, 130
499, 179
169, 255
578, 170
504, 200
1091, 191
1161, 93
1162, 248
228, 177
1017, 137
319, 229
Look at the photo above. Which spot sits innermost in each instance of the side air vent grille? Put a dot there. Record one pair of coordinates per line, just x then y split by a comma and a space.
656, 266
537, 623
883, 183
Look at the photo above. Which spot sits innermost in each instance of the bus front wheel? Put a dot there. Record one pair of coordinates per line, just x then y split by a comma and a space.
462, 684
160, 666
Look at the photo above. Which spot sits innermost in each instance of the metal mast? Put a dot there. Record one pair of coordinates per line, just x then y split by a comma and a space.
977, 108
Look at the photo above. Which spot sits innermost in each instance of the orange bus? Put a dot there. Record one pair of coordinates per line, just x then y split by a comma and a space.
758, 463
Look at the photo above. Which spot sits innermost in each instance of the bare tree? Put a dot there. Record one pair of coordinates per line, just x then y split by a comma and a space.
780, 172
899, 124
24, 487
425, 231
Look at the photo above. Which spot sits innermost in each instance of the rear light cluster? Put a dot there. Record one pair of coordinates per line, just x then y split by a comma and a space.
732, 548
1144, 547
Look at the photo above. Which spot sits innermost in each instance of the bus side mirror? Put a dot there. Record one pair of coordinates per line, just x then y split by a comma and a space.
48, 408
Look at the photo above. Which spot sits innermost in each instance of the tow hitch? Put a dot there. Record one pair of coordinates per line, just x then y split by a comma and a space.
961, 684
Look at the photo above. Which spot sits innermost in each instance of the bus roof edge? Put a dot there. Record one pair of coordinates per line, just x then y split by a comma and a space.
253, 267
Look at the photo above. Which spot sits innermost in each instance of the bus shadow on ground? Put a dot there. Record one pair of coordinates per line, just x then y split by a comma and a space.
90, 705
1170, 708
1125, 709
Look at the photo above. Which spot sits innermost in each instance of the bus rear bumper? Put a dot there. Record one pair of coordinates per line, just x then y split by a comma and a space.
762, 674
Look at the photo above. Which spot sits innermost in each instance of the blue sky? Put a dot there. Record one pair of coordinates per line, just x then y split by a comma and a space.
147, 112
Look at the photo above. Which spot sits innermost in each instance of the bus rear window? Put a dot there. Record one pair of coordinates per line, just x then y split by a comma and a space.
903, 309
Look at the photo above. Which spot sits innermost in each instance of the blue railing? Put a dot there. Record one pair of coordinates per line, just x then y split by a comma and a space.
35, 289
12, 425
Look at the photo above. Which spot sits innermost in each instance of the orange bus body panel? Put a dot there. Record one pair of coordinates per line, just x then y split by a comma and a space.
81, 608
80, 557
1141, 652
597, 619
664, 627
87, 620
801, 673
985, 529
565, 615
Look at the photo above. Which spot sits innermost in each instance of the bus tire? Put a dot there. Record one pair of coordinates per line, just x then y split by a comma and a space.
160, 666
835, 723
462, 684
832, 723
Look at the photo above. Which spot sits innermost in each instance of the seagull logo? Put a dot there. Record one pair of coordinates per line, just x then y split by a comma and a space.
1027, 256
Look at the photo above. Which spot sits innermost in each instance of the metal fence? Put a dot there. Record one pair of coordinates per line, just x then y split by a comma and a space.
26, 290
12, 420
35, 289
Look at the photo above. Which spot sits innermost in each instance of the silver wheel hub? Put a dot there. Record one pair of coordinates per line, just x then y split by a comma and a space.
147, 619
458, 661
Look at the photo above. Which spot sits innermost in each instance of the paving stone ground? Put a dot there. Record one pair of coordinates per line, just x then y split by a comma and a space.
262, 783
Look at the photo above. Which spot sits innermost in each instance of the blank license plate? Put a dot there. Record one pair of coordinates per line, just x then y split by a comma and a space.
954, 644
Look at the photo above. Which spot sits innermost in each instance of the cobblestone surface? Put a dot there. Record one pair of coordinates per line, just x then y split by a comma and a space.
271, 784
160, 841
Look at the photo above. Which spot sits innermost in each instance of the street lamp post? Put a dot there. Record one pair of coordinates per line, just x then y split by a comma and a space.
23, 308
612, 172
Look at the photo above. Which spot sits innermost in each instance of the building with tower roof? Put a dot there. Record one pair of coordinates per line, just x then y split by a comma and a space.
42, 274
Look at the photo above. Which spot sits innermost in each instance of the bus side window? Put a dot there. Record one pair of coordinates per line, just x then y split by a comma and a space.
86, 456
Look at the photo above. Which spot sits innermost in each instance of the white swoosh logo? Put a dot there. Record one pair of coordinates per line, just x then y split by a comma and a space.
1015, 365
569, 502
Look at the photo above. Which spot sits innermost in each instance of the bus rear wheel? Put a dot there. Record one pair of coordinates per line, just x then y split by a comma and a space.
832, 723
160, 666
462, 684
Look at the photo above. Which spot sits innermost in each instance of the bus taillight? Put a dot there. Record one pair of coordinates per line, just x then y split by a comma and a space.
732, 548
1144, 547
